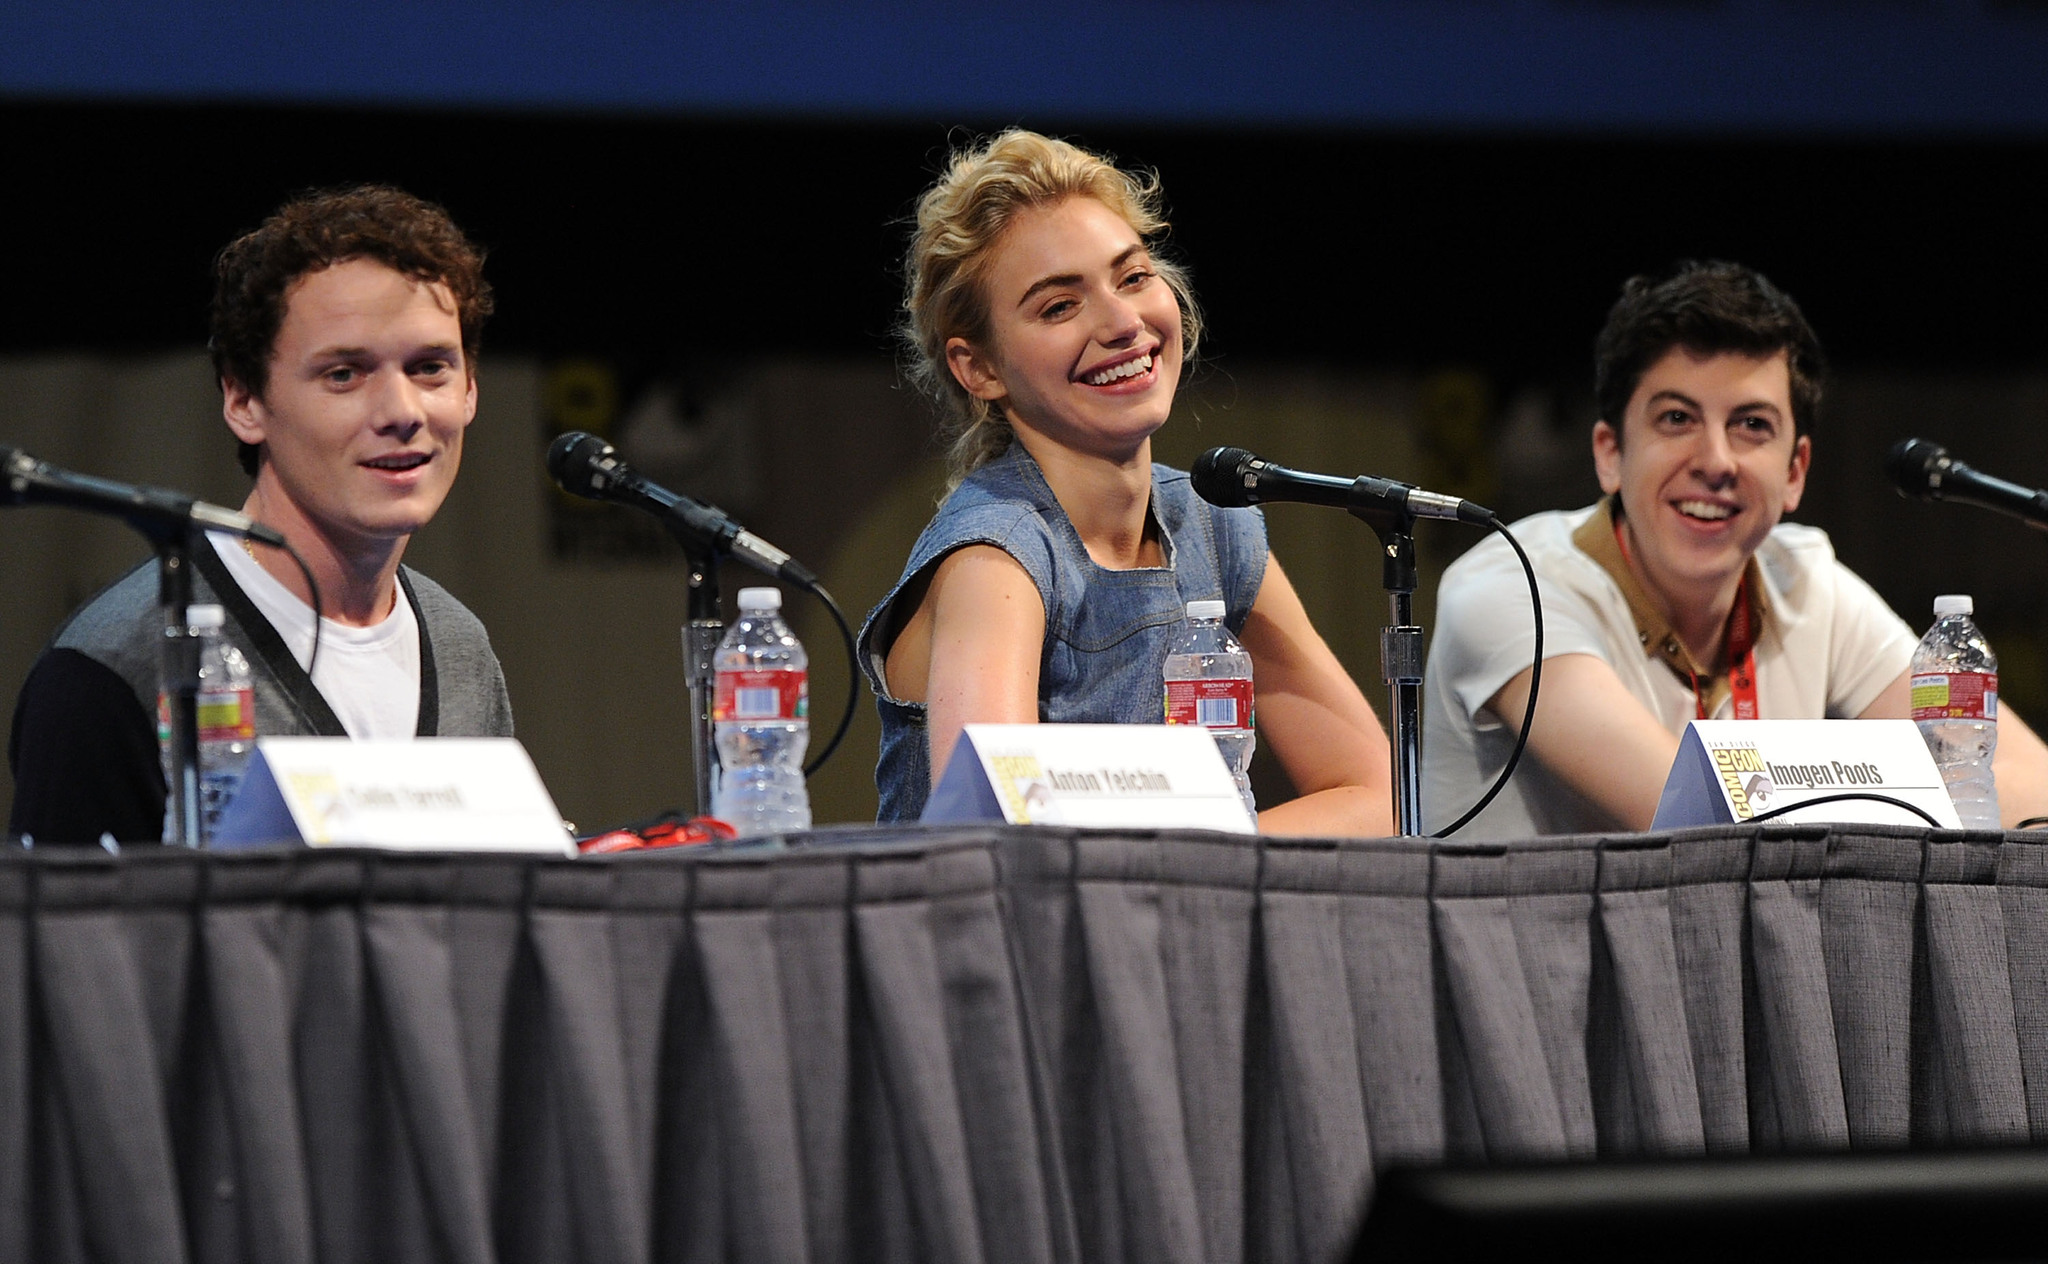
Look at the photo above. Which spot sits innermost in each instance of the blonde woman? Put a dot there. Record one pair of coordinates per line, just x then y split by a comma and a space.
1053, 336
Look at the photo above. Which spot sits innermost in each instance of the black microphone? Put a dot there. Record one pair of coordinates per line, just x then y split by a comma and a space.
157, 513
1234, 478
585, 465
1927, 471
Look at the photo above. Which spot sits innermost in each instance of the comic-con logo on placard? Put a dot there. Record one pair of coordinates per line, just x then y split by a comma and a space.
1744, 777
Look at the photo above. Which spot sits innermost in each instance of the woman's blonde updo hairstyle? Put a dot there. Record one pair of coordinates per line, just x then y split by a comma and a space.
959, 221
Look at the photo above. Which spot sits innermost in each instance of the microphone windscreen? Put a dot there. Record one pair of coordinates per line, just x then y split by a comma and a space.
1218, 477
1912, 465
14, 466
569, 461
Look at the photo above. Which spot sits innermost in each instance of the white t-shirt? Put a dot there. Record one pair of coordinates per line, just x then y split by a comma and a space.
369, 676
1827, 649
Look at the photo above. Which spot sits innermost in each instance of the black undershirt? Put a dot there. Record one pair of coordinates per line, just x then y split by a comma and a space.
93, 767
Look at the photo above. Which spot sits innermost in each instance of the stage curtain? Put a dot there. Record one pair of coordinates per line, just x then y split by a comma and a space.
1001, 1045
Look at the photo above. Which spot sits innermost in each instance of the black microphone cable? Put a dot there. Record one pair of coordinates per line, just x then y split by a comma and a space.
817, 590
1228, 477
1535, 685
585, 465
1860, 796
313, 587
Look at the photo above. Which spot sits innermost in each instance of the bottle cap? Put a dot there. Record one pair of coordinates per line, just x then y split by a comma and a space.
1954, 603
760, 599
1205, 610
208, 616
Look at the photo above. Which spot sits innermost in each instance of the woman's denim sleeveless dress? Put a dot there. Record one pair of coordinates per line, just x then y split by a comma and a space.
1106, 632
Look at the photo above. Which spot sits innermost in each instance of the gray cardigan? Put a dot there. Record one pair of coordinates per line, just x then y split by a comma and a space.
83, 746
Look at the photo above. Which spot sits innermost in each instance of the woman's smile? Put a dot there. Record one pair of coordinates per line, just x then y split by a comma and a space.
1084, 341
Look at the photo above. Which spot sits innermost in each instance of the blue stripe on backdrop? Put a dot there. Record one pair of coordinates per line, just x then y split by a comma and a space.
1800, 66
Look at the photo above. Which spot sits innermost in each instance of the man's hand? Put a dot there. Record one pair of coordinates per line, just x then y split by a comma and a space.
2020, 763
1592, 734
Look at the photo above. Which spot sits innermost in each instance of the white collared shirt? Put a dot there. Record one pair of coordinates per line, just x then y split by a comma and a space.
1829, 647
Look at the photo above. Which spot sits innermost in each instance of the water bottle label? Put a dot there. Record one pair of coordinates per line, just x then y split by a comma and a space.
777, 693
227, 716
1955, 696
1215, 704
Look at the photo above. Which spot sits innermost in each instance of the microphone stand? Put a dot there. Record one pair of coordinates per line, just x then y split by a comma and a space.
178, 672
701, 636
1400, 657
173, 525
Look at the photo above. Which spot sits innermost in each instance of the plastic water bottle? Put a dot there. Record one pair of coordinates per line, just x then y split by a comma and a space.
1209, 682
227, 718
1955, 703
761, 716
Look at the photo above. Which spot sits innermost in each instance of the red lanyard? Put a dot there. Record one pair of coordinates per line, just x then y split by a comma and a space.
1741, 651
1741, 658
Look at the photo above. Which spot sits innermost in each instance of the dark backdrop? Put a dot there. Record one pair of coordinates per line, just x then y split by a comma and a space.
635, 235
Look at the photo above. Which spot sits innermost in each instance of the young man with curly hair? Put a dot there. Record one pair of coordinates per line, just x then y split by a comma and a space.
344, 337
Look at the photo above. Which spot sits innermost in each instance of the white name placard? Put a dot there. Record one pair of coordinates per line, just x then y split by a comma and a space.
429, 794
1103, 775
1729, 771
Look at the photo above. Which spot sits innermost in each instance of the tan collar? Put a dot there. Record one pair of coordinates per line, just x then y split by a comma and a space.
1595, 538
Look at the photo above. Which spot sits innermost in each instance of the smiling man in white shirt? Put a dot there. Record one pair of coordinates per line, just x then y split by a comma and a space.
1681, 595
344, 335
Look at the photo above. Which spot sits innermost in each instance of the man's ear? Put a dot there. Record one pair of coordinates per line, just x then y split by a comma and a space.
1795, 484
974, 371
243, 408
1607, 457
